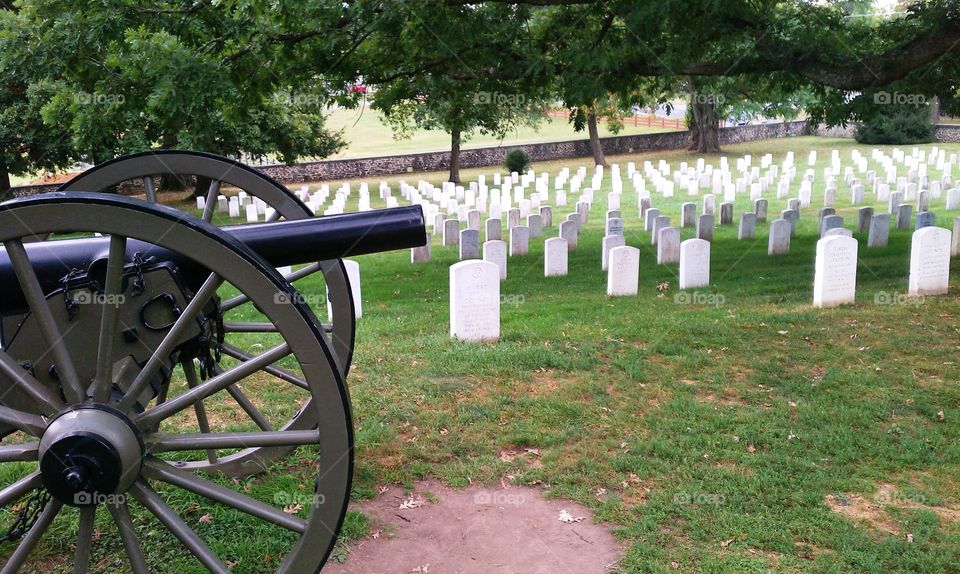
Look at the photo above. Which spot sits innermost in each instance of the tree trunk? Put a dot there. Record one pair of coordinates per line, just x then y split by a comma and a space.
4, 182
455, 156
705, 132
705, 128
596, 148
171, 182
201, 186
935, 110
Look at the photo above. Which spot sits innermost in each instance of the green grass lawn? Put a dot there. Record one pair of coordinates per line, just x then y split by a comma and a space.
711, 438
368, 135
717, 431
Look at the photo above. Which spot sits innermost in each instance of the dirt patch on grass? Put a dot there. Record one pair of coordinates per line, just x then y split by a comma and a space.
729, 398
872, 512
476, 530
545, 383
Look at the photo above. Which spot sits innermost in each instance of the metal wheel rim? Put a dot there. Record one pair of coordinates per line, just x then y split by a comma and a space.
288, 205
59, 213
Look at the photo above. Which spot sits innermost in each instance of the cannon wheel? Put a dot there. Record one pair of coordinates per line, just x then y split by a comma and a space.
144, 166
36, 462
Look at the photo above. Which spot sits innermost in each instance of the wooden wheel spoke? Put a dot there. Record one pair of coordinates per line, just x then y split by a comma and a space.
116, 259
20, 488
159, 470
148, 189
295, 275
166, 515
249, 327
279, 372
128, 534
211, 200
179, 442
48, 401
155, 415
19, 452
170, 340
190, 370
81, 563
30, 424
248, 407
29, 541
43, 314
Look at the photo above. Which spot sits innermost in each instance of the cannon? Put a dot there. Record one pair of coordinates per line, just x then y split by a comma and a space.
148, 356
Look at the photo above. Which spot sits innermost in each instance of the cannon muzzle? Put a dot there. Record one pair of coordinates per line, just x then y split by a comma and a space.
279, 243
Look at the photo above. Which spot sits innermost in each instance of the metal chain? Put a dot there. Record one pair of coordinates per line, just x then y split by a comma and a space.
139, 285
69, 302
28, 515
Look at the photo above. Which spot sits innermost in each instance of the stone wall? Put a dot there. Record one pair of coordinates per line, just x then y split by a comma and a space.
25, 190
440, 161
947, 133
481, 157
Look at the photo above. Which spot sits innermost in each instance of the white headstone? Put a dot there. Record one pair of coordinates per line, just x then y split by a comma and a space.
694, 263
475, 301
495, 251
353, 277
668, 245
610, 242
623, 271
519, 241
930, 261
555, 257
451, 232
835, 276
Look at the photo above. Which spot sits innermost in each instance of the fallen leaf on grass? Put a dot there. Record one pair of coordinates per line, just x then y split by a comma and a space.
412, 502
293, 508
206, 518
568, 518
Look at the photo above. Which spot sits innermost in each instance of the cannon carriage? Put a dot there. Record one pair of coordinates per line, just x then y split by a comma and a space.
146, 351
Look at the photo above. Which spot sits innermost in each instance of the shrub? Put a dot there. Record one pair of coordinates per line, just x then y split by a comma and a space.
517, 161
897, 124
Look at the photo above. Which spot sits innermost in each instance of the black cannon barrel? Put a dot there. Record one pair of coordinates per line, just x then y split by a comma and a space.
334, 236
279, 243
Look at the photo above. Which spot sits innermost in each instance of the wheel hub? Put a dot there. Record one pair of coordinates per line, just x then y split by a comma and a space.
88, 454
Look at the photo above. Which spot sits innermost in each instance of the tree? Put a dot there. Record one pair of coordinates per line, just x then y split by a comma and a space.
221, 77
897, 124
826, 47
462, 69
27, 145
